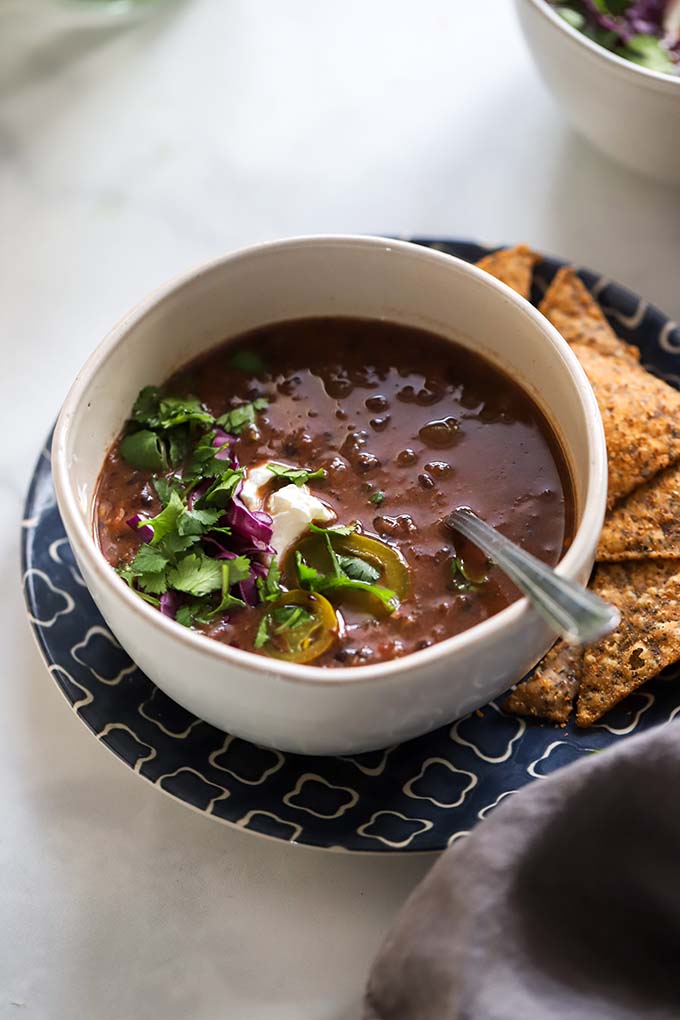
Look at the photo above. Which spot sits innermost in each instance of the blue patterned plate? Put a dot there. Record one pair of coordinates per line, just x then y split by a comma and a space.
419, 796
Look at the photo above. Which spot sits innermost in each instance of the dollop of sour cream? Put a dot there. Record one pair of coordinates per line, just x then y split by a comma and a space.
292, 508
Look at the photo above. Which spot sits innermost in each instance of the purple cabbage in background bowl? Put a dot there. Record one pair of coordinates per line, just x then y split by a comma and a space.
646, 32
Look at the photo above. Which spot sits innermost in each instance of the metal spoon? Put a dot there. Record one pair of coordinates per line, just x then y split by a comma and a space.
574, 612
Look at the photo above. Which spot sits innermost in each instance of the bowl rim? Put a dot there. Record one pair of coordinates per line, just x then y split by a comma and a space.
78, 526
659, 79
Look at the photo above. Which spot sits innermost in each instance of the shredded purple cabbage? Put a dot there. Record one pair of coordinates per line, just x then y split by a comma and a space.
222, 439
196, 493
248, 588
607, 21
170, 603
145, 532
253, 526
216, 542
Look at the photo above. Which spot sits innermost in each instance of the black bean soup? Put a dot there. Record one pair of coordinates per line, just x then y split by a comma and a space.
376, 431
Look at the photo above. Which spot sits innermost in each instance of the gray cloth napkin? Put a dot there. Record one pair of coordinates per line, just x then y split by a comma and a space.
564, 904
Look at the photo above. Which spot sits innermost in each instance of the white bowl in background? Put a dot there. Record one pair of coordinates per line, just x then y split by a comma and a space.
310, 709
630, 113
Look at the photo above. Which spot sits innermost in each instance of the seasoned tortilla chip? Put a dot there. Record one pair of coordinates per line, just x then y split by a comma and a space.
647, 523
645, 642
512, 266
575, 313
549, 693
621, 583
641, 417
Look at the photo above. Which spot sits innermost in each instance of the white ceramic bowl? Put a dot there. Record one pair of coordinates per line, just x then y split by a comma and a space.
305, 708
628, 112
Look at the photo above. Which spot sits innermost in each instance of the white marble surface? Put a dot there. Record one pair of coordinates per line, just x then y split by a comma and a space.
128, 155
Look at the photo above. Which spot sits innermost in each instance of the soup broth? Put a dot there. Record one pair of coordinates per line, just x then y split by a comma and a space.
396, 427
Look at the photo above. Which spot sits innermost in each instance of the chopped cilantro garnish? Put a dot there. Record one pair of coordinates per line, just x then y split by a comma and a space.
340, 579
179, 433
235, 421
649, 52
269, 587
358, 569
377, 498
192, 613
277, 621
146, 405
204, 462
298, 476
342, 530
221, 492
233, 571
460, 578
144, 450
165, 488
146, 572
196, 574
166, 521
179, 444
197, 522
159, 412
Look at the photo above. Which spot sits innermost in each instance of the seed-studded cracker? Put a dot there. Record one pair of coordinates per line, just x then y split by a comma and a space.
646, 523
641, 417
512, 266
549, 693
645, 642
575, 313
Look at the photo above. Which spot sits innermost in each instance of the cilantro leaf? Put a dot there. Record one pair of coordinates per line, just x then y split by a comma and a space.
197, 522
165, 487
309, 576
179, 444
377, 498
342, 530
277, 621
159, 412
145, 408
149, 561
269, 587
196, 574
238, 569
221, 492
615, 7
192, 613
152, 584
143, 450
298, 476
204, 462
166, 521
460, 578
173, 544
262, 636
235, 421
146, 572
173, 411
233, 571
313, 580
649, 52
357, 569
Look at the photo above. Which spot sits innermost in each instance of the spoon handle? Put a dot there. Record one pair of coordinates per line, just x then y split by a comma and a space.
574, 612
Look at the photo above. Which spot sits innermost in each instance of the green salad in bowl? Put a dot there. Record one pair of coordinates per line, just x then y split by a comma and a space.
646, 32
